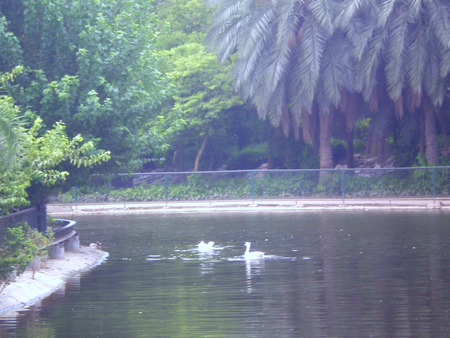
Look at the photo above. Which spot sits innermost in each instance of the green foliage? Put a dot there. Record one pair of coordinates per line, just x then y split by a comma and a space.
38, 157
13, 256
276, 184
203, 92
10, 51
8, 132
91, 64
181, 21
9, 123
249, 157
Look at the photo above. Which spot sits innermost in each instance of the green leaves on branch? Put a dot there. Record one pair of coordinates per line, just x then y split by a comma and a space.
91, 64
54, 147
19, 247
37, 158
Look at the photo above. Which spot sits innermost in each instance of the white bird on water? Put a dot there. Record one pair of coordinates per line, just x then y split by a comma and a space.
252, 254
202, 246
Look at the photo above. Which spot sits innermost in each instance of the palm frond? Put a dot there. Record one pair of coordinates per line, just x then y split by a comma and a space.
264, 93
288, 13
312, 49
348, 10
360, 30
416, 57
277, 66
279, 109
439, 16
386, 11
445, 63
253, 49
225, 31
259, 26
322, 10
368, 66
337, 68
433, 84
415, 7
246, 68
395, 54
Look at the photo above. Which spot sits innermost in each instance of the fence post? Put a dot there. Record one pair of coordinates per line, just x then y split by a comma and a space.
434, 185
342, 185
253, 186
166, 195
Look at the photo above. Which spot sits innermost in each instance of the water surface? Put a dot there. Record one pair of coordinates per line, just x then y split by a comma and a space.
327, 274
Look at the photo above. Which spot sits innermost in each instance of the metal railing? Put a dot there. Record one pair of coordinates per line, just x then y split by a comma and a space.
408, 183
28, 216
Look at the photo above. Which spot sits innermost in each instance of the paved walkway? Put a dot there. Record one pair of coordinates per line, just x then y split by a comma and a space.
248, 205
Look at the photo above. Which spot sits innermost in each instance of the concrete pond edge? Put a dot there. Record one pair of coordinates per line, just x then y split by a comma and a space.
26, 291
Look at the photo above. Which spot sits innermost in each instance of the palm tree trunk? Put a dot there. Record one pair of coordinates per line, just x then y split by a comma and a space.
431, 141
443, 126
325, 153
350, 151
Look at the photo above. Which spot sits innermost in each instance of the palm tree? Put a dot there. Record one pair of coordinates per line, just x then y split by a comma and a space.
407, 56
303, 61
292, 63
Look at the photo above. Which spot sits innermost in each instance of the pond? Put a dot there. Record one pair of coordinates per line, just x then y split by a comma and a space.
339, 274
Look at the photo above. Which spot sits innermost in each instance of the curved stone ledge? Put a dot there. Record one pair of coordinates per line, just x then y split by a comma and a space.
25, 291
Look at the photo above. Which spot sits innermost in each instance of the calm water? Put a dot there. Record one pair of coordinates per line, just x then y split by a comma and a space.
328, 274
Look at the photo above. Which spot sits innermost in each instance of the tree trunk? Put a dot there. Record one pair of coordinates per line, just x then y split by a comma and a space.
42, 217
325, 153
431, 140
421, 141
200, 152
180, 157
270, 152
350, 151
443, 126
212, 158
376, 145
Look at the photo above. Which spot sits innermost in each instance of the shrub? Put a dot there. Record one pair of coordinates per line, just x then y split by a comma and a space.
249, 157
19, 247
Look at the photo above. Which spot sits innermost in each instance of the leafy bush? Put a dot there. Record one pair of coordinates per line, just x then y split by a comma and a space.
277, 184
19, 247
250, 157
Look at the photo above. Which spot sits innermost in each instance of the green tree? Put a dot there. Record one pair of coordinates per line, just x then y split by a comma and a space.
92, 65
204, 93
203, 96
37, 159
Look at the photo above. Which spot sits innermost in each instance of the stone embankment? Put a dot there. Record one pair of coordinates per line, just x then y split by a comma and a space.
249, 205
52, 276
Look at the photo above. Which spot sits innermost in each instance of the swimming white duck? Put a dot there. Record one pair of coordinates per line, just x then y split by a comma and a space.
202, 246
253, 254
